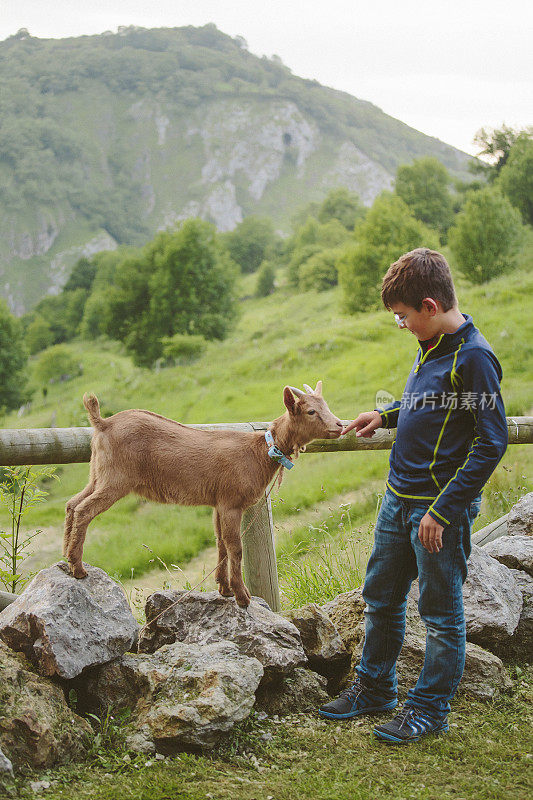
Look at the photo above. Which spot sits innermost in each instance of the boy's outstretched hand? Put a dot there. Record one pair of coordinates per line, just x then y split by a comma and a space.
430, 533
365, 424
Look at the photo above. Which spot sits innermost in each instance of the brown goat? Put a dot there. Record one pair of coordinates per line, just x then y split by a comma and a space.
160, 459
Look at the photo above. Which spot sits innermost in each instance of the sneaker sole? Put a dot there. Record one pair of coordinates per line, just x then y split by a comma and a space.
350, 714
387, 737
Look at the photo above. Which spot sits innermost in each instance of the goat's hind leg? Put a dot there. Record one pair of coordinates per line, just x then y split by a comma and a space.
221, 572
89, 508
69, 513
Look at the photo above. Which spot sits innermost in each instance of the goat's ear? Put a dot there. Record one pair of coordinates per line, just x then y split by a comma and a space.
289, 400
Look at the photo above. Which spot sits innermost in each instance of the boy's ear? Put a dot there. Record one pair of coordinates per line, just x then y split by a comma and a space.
431, 305
289, 400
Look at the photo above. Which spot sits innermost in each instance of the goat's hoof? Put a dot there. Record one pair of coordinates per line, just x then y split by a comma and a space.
78, 571
243, 602
225, 592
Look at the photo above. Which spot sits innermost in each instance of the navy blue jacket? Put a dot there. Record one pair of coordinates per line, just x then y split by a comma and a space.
451, 423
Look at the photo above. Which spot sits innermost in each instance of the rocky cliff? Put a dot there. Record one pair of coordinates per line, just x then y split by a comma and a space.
107, 139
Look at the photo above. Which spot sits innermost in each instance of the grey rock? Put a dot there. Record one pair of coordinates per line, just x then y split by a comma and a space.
520, 519
515, 551
492, 601
299, 691
6, 767
346, 611
521, 643
7, 778
207, 617
524, 582
484, 674
37, 728
39, 786
64, 625
359, 173
321, 641
183, 696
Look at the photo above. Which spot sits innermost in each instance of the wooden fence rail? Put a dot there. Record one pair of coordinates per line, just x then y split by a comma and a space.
73, 445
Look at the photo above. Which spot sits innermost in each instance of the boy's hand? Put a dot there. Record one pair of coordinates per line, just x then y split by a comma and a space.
365, 424
430, 533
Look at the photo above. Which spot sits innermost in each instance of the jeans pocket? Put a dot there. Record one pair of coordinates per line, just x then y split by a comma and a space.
473, 509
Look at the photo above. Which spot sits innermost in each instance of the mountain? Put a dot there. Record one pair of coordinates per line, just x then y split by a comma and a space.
106, 139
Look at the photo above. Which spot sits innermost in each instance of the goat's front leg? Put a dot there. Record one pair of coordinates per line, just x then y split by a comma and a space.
230, 526
221, 573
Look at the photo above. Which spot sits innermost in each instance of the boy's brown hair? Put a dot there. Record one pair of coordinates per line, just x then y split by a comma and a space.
418, 274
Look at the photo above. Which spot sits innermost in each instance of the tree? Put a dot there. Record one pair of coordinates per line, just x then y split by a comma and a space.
181, 282
302, 214
360, 267
63, 313
82, 275
309, 240
496, 145
39, 335
13, 359
265, 279
319, 272
251, 242
486, 235
389, 229
342, 205
516, 176
424, 187
313, 232
55, 364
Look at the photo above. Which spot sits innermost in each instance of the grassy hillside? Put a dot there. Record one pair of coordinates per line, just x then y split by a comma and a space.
282, 339
105, 139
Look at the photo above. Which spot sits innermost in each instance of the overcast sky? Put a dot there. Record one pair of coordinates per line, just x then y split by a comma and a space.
446, 68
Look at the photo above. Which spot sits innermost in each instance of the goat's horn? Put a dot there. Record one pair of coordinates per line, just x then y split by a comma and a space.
308, 389
318, 389
297, 392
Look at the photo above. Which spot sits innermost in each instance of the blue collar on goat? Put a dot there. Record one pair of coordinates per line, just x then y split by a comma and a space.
275, 453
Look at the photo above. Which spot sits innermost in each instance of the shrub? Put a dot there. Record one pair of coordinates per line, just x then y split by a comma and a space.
516, 176
55, 364
299, 257
486, 235
13, 360
39, 335
389, 229
182, 348
265, 279
251, 242
319, 272
361, 268
342, 205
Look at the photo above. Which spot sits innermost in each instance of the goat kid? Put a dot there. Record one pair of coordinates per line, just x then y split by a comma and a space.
160, 459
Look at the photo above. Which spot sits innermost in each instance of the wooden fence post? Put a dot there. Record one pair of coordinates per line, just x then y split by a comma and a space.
259, 553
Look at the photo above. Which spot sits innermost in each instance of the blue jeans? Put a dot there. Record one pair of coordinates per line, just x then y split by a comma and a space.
397, 558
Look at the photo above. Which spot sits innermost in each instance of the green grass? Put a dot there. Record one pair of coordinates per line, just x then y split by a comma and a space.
484, 756
284, 338
323, 518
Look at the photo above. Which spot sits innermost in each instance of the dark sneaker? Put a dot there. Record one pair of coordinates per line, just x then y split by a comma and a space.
409, 725
357, 700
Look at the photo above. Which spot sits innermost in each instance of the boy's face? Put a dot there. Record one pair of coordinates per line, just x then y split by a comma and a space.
423, 324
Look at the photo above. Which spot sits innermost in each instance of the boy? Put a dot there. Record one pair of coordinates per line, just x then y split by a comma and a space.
451, 433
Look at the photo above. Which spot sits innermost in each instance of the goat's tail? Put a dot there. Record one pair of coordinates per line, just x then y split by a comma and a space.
93, 410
